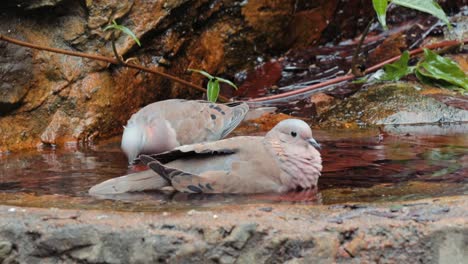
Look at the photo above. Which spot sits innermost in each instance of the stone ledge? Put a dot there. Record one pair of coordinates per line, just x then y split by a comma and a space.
424, 231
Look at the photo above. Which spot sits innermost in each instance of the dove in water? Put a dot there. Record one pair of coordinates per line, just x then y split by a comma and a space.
287, 158
164, 125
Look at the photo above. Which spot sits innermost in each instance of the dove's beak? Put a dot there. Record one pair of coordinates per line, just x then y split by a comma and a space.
314, 143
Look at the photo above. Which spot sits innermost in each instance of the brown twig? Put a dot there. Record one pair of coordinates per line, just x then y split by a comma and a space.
108, 60
348, 77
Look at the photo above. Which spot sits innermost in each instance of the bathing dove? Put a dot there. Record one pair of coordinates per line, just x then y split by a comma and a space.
164, 125
285, 159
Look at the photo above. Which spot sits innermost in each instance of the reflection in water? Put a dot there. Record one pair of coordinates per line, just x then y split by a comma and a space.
359, 166
59, 171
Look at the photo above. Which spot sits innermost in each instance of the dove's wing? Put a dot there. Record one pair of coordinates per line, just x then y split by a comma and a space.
196, 121
235, 165
164, 125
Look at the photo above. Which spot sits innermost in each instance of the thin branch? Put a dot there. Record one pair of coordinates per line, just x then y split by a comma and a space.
348, 77
108, 60
355, 65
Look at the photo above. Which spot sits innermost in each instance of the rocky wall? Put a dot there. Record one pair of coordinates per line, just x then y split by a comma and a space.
52, 98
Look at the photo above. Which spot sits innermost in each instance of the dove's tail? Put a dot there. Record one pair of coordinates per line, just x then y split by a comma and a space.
140, 181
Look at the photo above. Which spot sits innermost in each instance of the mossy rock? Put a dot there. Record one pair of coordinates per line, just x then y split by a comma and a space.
395, 103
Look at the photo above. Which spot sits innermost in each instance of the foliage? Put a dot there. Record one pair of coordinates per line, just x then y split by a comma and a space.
432, 69
397, 70
124, 29
380, 7
427, 6
212, 88
440, 69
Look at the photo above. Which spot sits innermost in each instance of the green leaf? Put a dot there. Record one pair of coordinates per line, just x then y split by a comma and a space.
397, 70
124, 29
427, 6
127, 31
226, 81
212, 90
438, 68
380, 7
204, 73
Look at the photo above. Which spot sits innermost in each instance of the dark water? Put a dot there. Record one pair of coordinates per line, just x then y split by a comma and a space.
403, 163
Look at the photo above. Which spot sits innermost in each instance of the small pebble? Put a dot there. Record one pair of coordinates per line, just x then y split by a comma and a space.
396, 208
12, 210
266, 209
191, 212
165, 214
215, 216
336, 220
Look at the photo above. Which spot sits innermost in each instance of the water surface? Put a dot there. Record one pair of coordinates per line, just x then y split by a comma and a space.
366, 165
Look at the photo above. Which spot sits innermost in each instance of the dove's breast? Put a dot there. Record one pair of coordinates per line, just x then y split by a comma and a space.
300, 167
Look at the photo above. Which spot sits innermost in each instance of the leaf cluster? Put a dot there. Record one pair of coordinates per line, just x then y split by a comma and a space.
432, 69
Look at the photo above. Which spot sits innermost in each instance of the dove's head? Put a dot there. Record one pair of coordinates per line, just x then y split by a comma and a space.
294, 131
132, 141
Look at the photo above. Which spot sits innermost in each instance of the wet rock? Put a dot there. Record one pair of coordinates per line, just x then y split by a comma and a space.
354, 246
165, 248
231, 246
5, 249
322, 102
240, 235
450, 246
394, 104
307, 25
15, 76
64, 240
269, 20
292, 249
76, 27
59, 127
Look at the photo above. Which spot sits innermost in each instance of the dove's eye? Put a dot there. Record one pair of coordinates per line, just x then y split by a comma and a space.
293, 134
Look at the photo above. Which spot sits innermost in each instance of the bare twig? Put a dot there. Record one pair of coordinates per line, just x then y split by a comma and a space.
356, 66
108, 60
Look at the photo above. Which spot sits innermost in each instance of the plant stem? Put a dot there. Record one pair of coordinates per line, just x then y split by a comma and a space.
114, 49
108, 60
